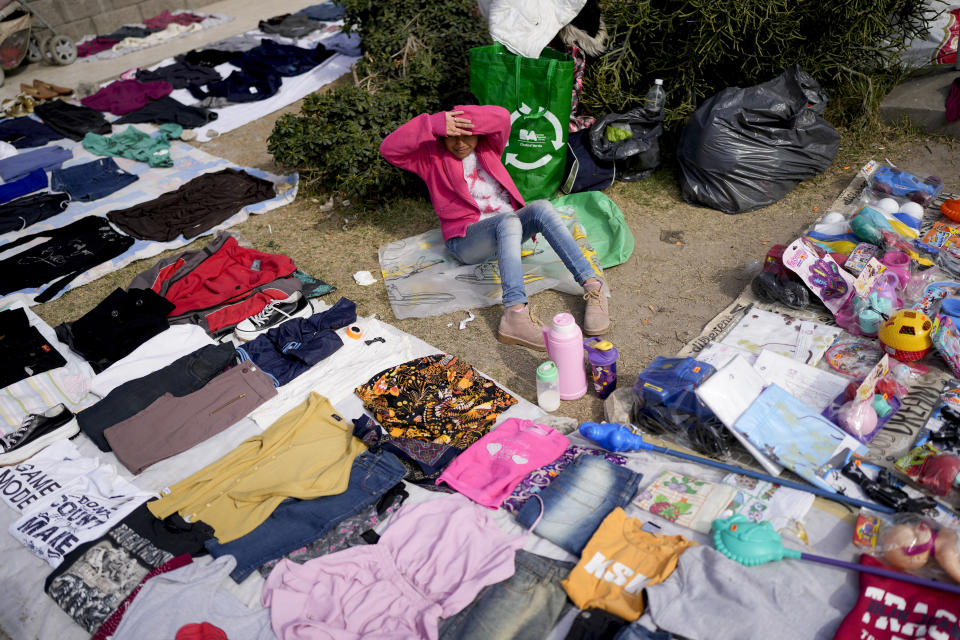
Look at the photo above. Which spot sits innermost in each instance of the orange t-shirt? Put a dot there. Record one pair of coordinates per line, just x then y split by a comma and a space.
618, 562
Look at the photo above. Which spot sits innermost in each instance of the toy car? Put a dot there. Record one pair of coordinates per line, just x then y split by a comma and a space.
899, 183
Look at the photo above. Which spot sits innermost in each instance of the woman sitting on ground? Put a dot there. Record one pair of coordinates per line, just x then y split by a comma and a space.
482, 215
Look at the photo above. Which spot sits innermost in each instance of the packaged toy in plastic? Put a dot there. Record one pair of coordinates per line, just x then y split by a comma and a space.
664, 400
912, 544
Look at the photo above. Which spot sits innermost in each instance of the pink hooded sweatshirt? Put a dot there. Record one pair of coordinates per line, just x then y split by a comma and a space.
417, 146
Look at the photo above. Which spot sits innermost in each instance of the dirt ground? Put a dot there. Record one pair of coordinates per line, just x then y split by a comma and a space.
689, 262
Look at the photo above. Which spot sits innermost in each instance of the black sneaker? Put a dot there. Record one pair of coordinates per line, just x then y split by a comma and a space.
36, 432
275, 313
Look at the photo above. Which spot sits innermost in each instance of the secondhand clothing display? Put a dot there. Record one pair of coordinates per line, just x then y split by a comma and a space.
295, 523
96, 577
153, 354
92, 180
273, 58
169, 110
491, 467
286, 351
220, 285
22, 164
23, 212
136, 145
522, 607
289, 25
194, 208
353, 531
171, 424
180, 74
707, 590
181, 377
193, 593
123, 96
422, 459
239, 87
83, 509
538, 479
109, 626
24, 352
439, 398
26, 132
430, 563
618, 562
578, 500
305, 454
33, 181
43, 473
120, 323
65, 254
209, 57
72, 121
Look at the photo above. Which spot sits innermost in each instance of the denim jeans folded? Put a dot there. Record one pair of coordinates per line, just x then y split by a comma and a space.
298, 522
523, 607
91, 180
578, 500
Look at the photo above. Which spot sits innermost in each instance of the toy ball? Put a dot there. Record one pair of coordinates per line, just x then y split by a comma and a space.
833, 217
947, 552
912, 209
888, 206
906, 335
940, 473
907, 547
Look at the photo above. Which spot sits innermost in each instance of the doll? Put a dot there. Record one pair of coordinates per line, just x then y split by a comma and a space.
908, 547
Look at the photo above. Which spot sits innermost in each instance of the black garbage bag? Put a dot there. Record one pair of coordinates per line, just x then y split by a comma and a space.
636, 157
746, 148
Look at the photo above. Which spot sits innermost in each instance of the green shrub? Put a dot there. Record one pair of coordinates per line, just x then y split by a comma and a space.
702, 46
415, 54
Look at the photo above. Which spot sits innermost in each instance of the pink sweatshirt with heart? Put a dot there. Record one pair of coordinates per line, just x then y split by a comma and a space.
489, 470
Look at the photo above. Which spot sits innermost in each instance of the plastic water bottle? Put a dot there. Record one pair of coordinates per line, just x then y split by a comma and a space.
655, 99
548, 386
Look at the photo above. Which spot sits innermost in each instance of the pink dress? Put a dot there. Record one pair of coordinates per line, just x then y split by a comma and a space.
431, 562
490, 468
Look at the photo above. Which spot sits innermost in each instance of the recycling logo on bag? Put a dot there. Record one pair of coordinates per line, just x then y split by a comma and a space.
536, 92
536, 139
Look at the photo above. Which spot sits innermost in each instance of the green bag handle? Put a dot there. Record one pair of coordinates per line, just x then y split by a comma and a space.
551, 70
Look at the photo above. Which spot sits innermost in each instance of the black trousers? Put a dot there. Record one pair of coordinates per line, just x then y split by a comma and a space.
179, 378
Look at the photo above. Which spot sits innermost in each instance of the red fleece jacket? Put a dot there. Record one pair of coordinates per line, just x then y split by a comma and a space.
417, 146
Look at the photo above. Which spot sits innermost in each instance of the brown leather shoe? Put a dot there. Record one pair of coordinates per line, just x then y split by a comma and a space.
520, 327
596, 316
60, 91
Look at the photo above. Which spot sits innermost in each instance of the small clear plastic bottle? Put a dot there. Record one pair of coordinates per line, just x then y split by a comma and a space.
655, 99
548, 386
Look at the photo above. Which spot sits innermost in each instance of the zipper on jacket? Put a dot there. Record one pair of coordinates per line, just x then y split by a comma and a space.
228, 403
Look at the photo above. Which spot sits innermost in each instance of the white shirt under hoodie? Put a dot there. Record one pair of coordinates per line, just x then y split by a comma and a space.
490, 195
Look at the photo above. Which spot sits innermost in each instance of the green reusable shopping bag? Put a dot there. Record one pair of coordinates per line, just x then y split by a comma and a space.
604, 224
537, 93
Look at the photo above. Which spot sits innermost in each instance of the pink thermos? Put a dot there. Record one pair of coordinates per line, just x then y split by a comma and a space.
565, 347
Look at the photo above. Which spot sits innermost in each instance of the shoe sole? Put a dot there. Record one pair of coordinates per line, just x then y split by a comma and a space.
247, 336
597, 332
517, 341
20, 454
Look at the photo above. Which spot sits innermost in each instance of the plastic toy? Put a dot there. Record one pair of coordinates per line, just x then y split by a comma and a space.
940, 474
877, 305
754, 543
776, 283
898, 263
906, 335
908, 547
885, 491
858, 417
616, 437
868, 225
900, 183
951, 209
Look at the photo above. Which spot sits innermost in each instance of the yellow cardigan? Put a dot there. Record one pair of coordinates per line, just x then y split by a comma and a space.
307, 453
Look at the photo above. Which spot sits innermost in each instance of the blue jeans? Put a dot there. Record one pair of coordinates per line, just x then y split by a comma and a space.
523, 607
296, 523
578, 500
502, 235
635, 632
91, 180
